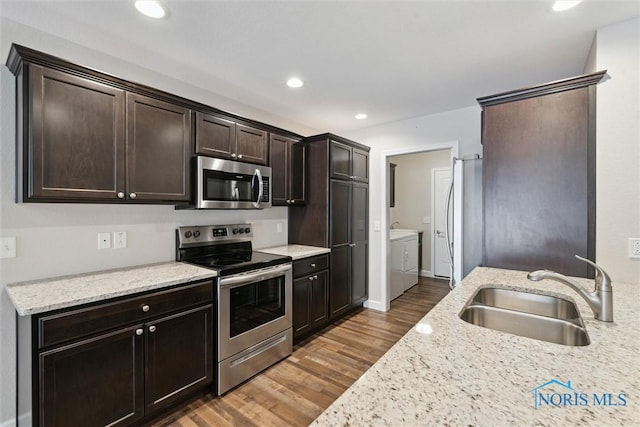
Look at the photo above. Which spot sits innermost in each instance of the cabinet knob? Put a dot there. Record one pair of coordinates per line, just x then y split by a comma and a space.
139, 331
292, 201
315, 277
239, 156
353, 245
288, 201
234, 155
152, 328
132, 195
310, 277
145, 308
312, 265
352, 177
120, 195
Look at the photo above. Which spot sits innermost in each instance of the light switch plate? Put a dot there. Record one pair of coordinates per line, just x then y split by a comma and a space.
279, 227
426, 220
7, 247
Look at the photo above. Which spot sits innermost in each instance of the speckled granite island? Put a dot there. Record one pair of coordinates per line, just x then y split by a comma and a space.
448, 372
40, 296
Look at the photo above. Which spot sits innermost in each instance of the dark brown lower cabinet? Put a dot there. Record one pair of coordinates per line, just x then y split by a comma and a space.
94, 382
125, 374
310, 295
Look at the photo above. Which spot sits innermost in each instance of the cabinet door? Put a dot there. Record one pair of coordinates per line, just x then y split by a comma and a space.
301, 305
392, 185
98, 381
340, 213
318, 308
215, 136
340, 161
359, 273
158, 150
340, 292
360, 165
279, 158
359, 212
251, 145
74, 146
298, 173
538, 183
179, 357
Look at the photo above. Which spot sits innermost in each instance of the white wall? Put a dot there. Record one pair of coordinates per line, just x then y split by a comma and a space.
413, 195
61, 239
618, 149
461, 125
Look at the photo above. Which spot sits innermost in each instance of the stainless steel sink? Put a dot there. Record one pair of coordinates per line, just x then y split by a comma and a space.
542, 317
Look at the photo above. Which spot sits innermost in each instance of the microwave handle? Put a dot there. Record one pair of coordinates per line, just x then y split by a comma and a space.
257, 174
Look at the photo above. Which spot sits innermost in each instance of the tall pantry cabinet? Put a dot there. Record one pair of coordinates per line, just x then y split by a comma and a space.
336, 216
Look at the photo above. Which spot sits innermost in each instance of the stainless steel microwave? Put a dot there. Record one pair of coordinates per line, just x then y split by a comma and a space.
225, 184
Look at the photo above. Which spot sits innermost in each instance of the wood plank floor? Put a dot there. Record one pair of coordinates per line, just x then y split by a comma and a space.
298, 389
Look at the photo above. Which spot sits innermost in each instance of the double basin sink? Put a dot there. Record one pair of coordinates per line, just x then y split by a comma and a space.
538, 316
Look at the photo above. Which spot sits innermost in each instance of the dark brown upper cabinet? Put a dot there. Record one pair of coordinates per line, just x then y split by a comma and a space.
73, 135
226, 139
158, 150
84, 140
288, 171
349, 163
539, 176
87, 136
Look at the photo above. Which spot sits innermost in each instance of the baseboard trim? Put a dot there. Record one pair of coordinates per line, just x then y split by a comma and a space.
426, 273
375, 305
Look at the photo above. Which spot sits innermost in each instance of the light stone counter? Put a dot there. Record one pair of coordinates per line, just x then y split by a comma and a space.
296, 251
461, 374
45, 295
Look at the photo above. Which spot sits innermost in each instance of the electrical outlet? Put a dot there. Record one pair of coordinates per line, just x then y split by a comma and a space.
104, 240
634, 248
119, 239
426, 220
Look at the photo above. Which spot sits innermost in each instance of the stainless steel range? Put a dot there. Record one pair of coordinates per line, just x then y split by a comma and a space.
253, 298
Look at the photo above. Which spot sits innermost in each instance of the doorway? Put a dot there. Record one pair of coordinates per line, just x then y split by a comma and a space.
384, 209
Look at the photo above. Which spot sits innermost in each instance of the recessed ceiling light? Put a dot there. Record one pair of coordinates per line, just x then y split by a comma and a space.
151, 8
361, 116
295, 82
561, 5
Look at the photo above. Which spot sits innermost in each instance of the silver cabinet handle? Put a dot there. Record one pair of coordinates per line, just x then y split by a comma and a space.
352, 177
312, 265
132, 196
315, 277
352, 245
145, 308
234, 155
288, 201
239, 156
139, 331
310, 277
152, 328
292, 201
120, 195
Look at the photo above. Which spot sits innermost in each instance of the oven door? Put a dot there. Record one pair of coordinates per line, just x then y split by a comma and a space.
224, 184
252, 307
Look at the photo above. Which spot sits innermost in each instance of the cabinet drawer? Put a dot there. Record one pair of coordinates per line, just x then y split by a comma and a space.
305, 266
68, 325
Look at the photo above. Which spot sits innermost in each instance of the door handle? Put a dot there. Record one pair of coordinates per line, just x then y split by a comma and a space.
439, 233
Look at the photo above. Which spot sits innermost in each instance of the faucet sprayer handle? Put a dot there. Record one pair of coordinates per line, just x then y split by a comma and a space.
603, 281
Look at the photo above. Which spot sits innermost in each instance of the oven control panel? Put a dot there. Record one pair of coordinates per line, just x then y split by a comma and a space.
210, 234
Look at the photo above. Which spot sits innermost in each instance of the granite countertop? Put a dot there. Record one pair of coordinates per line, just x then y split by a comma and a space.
296, 251
62, 292
461, 374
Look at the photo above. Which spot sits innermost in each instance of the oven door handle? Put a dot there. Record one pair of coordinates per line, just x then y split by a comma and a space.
257, 276
257, 174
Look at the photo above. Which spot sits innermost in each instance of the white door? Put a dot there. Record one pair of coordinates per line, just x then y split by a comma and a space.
441, 181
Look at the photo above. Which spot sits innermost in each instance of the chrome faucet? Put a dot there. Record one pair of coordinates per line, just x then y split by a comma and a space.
393, 223
600, 300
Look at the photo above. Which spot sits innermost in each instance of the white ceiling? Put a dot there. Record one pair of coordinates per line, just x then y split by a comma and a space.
391, 59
